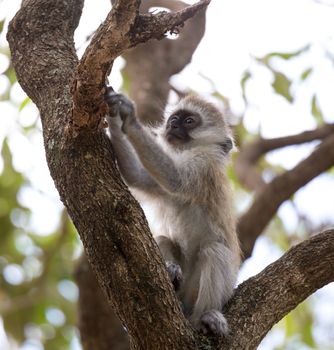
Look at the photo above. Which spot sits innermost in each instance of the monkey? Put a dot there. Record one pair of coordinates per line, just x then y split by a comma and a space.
178, 168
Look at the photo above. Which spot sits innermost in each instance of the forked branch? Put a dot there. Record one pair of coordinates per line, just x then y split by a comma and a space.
271, 196
123, 28
250, 153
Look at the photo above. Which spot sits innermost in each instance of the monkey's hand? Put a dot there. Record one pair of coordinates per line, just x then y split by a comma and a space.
120, 105
175, 274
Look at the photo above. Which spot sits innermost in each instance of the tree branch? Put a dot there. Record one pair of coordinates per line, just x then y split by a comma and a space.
123, 29
271, 196
261, 301
99, 326
245, 164
158, 61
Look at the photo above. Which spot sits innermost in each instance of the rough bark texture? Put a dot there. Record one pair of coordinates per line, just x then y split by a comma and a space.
99, 327
278, 289
114, 232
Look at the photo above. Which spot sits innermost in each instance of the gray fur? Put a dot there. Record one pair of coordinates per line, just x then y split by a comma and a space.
190, 205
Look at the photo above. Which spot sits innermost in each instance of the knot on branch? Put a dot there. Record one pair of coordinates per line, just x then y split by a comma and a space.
92, 116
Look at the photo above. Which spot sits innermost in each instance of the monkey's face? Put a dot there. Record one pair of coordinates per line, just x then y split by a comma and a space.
179, 126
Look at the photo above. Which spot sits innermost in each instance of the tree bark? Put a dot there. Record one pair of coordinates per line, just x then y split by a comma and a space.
250, 153
99, 326
117, 242
264, 299
271, 196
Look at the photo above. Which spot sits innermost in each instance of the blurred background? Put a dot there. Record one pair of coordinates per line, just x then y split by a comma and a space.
270, 65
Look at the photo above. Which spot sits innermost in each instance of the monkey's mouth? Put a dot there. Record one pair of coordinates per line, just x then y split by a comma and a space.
175, 137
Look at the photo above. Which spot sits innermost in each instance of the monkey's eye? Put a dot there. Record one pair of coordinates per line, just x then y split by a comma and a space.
189, 120
173, 119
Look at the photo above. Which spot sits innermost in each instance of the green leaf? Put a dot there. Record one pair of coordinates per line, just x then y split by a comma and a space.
290, 326
24, 103
11, 75
244, 79
126, 81
286, 55
316, 111
306, 74
307, 335
282, 85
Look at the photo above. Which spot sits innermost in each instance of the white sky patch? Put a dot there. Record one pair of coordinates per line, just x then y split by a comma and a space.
288, 213
17, 94
45, 210
28, 115
4, 63
55, 316
14, 274
264, 253
92, 17
4, 343
7, 118
290, 156
316, 200
4, 84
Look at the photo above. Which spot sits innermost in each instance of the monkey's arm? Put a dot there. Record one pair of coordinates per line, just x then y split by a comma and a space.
182, 179
129, 165
128, 162
160, 166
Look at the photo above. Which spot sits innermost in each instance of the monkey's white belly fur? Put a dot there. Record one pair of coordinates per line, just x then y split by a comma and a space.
176, 222
188, 226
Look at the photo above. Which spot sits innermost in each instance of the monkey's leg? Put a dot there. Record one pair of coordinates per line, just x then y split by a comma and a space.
171, 253
217, 279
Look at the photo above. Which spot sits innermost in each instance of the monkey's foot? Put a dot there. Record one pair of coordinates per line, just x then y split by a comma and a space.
213, 321
175, 274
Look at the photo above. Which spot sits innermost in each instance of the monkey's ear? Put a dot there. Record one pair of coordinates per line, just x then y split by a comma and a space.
227, 145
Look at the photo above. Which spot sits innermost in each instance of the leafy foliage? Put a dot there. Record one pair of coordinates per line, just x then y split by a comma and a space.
282, 85
316, 111
37, 292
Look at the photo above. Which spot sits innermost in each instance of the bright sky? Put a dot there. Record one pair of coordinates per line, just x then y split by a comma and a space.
237, 30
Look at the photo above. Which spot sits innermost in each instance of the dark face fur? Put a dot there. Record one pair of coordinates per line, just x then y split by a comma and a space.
179, 124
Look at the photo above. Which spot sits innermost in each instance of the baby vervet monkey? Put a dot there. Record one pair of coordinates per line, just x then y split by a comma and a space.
179, 169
